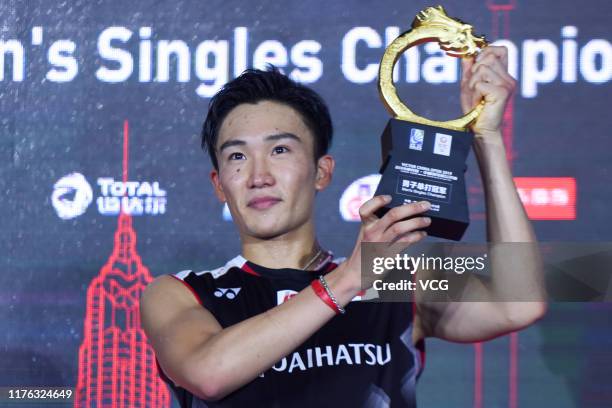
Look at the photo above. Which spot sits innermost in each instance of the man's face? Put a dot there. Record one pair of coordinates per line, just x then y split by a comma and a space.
267, 172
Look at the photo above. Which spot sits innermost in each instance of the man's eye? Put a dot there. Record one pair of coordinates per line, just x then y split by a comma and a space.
280, 149
236, 156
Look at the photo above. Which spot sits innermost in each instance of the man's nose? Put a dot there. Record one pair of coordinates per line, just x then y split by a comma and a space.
260, 175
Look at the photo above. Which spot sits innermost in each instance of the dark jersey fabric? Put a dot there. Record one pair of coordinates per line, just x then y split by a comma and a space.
364, 358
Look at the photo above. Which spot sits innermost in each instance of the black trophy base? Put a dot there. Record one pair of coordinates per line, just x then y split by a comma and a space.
426, 163
439, 227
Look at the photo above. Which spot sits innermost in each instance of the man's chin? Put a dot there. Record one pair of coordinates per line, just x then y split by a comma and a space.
266, 232
267, 235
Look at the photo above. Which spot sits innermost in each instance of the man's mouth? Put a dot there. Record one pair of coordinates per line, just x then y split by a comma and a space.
262, 203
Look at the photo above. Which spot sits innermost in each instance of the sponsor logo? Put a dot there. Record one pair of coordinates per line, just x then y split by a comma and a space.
134, 197
357, 193
416, 139
229, 293
341, 354
442, 144
548, 198
71, 196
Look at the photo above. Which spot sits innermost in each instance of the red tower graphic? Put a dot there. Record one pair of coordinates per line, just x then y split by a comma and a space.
116, 363
500, 29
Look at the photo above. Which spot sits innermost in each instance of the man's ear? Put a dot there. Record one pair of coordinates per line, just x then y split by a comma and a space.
214, 178
325, 170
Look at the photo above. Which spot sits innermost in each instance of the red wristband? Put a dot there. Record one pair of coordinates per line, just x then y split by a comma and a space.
320, 291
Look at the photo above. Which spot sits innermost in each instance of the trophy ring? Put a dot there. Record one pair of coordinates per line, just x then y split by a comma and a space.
454, 37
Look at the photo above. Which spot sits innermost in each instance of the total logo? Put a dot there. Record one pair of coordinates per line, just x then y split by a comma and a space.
134, 197
357, 193
72, 195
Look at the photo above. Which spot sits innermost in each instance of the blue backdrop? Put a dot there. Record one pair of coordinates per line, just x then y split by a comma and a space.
78, 79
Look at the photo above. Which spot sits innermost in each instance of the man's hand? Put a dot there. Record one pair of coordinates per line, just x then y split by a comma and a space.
400, 227
487, 78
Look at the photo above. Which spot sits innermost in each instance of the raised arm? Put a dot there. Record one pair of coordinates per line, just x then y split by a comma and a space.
506, 222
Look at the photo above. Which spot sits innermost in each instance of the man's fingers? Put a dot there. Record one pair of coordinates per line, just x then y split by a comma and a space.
401, 213
466, 75
496, 50
495, 59
496, 66
367, 209
391, 249
402, 228
491, 92
466, 68
406, 241
484, 73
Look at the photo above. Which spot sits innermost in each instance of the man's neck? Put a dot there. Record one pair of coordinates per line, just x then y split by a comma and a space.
297, 249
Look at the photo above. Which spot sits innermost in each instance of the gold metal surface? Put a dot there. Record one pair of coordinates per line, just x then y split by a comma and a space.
453, 36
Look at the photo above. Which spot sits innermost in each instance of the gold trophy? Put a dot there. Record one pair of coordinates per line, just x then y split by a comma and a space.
424, 159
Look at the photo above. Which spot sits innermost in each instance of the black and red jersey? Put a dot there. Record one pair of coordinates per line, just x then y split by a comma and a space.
364, 358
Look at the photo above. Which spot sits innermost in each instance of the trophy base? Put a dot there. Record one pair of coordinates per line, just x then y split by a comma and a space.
427, 163
439, 227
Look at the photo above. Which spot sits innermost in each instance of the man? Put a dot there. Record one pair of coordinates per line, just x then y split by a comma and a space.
235, 335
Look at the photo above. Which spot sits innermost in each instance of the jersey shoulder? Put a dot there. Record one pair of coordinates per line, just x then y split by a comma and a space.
205, 283
236, 262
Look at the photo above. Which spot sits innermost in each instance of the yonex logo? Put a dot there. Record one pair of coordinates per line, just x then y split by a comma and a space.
229, 293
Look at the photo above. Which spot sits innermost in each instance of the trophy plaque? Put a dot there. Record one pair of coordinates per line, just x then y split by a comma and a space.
424, 159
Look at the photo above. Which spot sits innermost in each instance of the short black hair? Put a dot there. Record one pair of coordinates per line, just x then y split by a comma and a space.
255, 85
